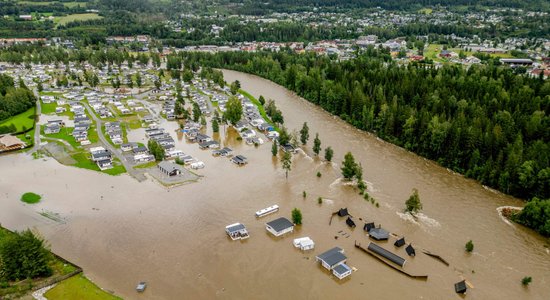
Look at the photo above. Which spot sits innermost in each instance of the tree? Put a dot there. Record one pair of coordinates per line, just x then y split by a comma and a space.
296, 216
526, 280
286, 159
196, 112
235, 86
39, 86
413, 204
284, 137
469, 246
349, 166
23, 255
129, 81
187, 75
157, 84
262, 100
138, 80
316, 144
233, 110
215, 125
329, 153
304, 134
156, 150
274, 148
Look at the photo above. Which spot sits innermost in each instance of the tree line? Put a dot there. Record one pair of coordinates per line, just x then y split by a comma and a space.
13, 101
485, 122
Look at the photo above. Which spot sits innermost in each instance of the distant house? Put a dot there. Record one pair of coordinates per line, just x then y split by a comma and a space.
460, 287
279, 226
128, 147
52, 128
170, 169
516, 61
140, 150
209, 145
334, 259
222, 152
101, 155
239, 160
396, 259
104, 164
25, 17
237, 231
288, 148
368, 226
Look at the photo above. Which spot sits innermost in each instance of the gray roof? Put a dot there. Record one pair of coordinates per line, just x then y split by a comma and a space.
235, 228
387, 254
169, 167
280, 224
333, 256
341, 269
379, 234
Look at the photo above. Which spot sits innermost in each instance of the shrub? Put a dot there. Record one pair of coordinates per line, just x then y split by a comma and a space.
320, 200
319, 174
526, 280
304, 194
30, 198
469, 246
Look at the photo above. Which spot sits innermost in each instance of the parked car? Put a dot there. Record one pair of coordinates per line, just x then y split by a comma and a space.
141, 286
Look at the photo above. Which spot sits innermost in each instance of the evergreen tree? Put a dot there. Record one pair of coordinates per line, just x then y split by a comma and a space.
304, 134
286, 160
349, 167
329, 153
296, 216
274, 148
215, 125
316, 144
23, 255
413, 204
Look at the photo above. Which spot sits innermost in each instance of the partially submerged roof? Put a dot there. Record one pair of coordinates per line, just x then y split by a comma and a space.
460, 287
343, 212
333, 256
280, 224
387, 254
235, 227
379, 234
341, 269
368, 227
410, 250
350, 222
400, 242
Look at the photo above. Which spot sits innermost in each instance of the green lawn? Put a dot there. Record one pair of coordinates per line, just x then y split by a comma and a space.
21, 121
78, 288
147, 165
76, 17
84, 161
64, 134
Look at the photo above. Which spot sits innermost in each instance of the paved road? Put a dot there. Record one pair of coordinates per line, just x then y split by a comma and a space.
38, 112
129, 168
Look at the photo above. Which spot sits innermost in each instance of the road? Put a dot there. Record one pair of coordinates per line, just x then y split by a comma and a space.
38, 112
129, 168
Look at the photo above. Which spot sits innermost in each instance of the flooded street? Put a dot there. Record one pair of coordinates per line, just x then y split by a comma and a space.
121, 231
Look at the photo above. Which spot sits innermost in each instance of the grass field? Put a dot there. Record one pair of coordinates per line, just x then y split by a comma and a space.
76, 17
66, 4
78, 288
21, 121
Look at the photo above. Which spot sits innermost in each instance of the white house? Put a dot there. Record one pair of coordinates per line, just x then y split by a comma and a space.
279, 226
304, 243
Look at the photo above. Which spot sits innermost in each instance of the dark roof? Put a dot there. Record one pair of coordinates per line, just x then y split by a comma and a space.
368, 227
400, 242
343, 212
460, 287
387, 254
280, 224
333, 256
350, 222
341, 269
169, 167
379, 234
410, 250
140, 149
235, 228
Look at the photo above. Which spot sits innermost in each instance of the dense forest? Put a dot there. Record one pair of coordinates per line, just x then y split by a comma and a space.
13, 100
484, 122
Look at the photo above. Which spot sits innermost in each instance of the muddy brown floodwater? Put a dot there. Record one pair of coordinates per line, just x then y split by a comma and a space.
122, 231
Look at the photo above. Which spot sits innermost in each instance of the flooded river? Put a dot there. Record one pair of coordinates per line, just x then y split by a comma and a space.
122, 231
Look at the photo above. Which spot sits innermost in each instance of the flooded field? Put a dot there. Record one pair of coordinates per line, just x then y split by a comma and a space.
121, 231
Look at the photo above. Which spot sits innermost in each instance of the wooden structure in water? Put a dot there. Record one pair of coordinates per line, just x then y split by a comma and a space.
437, 257
420, 277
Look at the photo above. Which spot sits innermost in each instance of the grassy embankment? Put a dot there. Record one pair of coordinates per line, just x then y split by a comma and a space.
76, 288
76, 17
